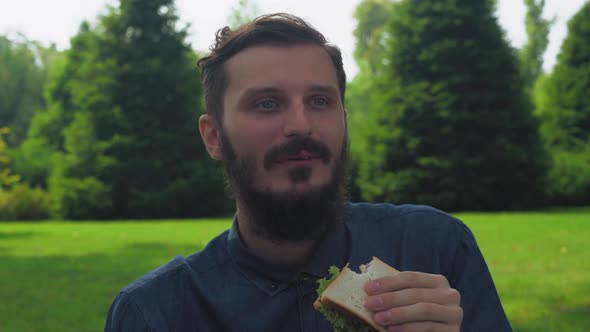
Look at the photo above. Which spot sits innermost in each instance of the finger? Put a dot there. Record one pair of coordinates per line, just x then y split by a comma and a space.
423, 327
420, 312
411, 296
406, 279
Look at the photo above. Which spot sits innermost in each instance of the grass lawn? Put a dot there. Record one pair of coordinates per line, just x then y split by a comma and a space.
62, 276
541, 266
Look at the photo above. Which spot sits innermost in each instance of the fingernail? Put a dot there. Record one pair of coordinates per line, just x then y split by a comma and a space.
382, 317
374, 286
374, 303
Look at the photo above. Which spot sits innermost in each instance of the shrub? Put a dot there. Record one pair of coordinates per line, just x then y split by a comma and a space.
80, 199
569, 177
24, 203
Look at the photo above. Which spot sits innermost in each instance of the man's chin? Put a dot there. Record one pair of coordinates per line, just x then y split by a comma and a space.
297, 189
295, 213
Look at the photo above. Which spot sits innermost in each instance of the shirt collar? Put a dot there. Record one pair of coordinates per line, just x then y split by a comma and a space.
272, 279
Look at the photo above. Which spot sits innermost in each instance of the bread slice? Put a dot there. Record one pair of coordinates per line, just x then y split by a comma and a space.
347, 291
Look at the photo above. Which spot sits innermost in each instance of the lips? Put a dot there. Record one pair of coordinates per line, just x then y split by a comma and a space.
302, 156
300, 151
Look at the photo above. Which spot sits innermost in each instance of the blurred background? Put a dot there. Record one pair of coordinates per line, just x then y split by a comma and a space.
477, 107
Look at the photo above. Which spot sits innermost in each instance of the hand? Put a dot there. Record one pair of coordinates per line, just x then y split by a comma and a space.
414, 301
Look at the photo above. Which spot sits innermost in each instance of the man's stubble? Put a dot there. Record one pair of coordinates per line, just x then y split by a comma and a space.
287, 216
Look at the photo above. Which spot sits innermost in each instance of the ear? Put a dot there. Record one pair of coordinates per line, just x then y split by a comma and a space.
210, 134
345, 118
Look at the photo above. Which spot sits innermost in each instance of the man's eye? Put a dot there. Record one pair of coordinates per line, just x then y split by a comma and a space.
267, 104
319, 102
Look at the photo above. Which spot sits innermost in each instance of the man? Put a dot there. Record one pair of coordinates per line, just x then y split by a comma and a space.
275, 117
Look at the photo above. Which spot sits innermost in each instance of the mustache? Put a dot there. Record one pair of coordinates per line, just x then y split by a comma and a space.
296, 146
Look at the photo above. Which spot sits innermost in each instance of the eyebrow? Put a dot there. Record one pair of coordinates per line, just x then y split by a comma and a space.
258, 91
327, 89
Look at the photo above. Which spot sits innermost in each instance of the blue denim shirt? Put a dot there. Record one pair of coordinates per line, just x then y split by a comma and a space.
225, 288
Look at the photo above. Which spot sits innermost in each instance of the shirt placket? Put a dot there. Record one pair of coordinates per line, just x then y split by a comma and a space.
306, 295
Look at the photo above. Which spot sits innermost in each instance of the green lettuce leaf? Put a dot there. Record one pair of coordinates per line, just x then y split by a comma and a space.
340, 322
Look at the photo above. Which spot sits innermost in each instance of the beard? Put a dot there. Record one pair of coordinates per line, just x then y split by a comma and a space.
289, 216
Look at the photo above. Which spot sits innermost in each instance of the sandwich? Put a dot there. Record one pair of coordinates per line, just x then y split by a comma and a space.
341, 298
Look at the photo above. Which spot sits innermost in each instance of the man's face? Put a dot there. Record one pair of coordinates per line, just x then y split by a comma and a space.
284, 117
283, 140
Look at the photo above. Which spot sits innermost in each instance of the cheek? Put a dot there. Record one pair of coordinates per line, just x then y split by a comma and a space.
335, 136
252, 137
253, 146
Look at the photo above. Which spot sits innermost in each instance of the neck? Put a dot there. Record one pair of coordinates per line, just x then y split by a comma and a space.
284, 253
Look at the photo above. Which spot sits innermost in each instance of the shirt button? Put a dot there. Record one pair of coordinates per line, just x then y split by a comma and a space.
273, 286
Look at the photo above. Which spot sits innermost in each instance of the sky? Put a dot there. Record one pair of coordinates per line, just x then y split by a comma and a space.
56, 21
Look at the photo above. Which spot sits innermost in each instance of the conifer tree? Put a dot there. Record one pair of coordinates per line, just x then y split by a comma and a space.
132, 148
563, 104
453, 126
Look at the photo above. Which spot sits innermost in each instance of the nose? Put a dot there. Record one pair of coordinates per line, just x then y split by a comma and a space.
297, 121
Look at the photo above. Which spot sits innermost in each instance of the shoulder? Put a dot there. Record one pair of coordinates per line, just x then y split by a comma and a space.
180, 268
161, 291
369, 213
133, 307
409, 237
158, 277
414, 226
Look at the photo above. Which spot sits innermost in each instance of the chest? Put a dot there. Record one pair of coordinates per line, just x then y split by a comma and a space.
243, 305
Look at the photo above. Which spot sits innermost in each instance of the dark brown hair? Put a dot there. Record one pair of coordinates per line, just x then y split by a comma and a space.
277, 29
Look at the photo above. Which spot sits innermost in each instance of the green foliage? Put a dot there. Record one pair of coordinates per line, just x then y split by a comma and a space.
569, 176
45, 136
563, 105
24, 67
371, 16
243, 13
32, 161
452, 125
74, 182
359, 96
7, 178
80, 198
24, 203
563, 99
120, 132
531, 54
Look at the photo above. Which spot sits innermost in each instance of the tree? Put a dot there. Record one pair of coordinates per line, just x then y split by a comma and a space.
563, 104
369, 52
453, 126
7, 177
371, 17
68, 77
24, 67
531, 54
127, 102
243, 13
75, 181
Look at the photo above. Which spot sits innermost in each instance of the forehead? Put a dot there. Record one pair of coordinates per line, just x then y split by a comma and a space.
278, 66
